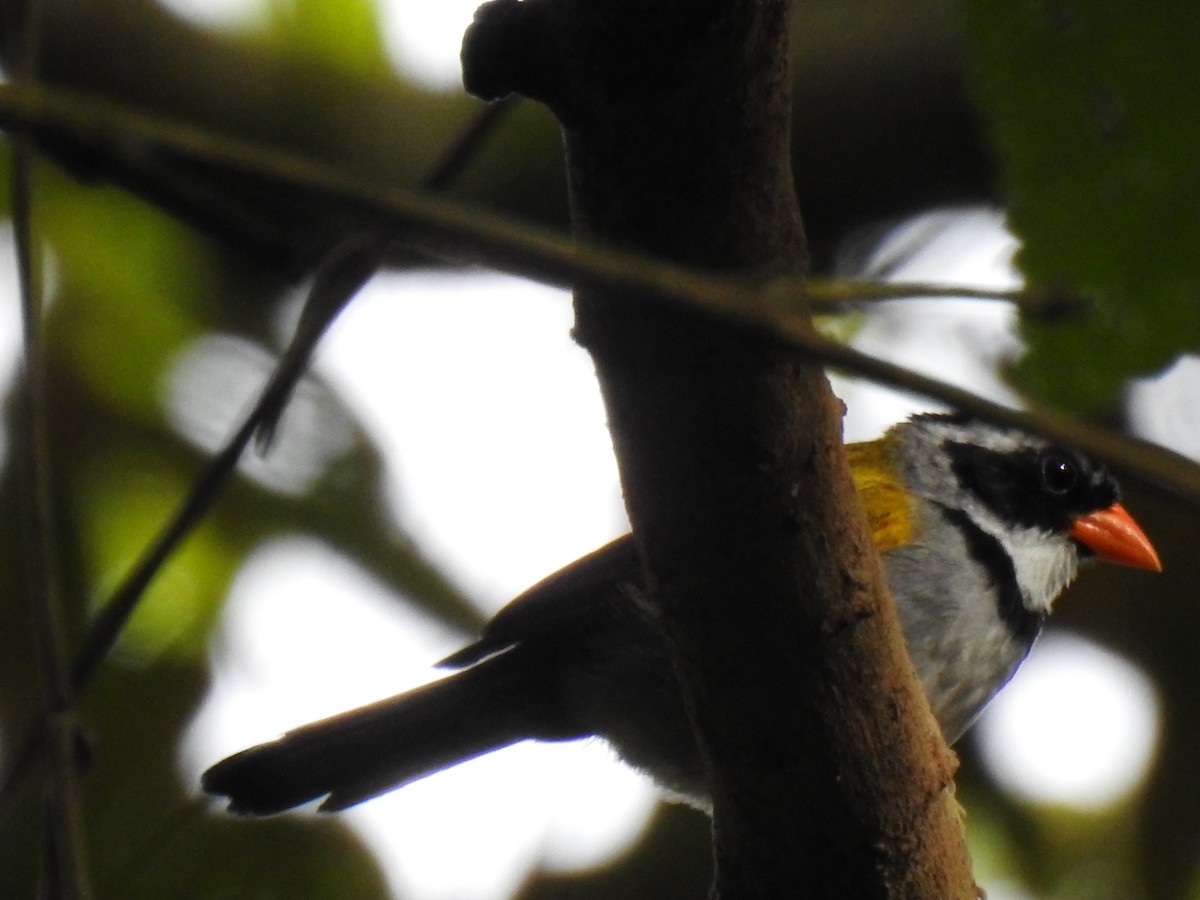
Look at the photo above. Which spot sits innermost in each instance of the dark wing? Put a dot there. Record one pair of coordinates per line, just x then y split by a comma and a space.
577, 597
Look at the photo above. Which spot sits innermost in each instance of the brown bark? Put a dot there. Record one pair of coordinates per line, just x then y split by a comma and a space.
829, 777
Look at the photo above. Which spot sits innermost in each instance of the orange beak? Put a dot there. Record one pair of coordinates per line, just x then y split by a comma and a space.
1113, 536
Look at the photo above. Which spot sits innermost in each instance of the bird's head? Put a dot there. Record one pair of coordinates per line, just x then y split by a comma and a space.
1046, 506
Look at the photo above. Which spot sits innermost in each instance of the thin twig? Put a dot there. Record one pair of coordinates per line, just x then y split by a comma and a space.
357, 258
466, 146
64, 872
834, 295
339, 276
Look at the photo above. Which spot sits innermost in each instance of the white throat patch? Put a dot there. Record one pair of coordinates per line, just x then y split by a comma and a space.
1044, 565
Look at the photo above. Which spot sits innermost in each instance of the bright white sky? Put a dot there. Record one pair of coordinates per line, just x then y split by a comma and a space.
422, 36
506, 474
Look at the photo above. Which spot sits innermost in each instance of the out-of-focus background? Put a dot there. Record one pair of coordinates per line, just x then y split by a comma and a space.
449, 447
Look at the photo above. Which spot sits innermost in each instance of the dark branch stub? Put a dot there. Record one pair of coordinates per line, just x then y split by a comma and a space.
511, 47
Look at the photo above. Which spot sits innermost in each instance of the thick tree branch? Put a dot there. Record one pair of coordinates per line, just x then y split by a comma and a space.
677, 123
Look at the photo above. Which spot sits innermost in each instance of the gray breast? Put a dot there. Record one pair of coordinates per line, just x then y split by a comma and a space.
956, 609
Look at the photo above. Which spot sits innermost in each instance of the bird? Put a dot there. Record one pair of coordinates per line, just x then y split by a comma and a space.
979, 529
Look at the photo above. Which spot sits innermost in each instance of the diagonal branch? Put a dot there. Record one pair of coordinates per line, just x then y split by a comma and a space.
456, 233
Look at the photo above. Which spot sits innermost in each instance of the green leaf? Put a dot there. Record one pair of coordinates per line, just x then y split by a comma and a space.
1093, 110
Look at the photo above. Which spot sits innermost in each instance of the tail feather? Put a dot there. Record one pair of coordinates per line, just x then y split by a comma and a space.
370, 750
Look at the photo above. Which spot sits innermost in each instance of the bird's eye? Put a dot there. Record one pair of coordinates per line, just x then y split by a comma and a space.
1059, 473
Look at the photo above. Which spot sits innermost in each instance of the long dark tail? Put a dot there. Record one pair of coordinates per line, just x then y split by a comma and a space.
370, 750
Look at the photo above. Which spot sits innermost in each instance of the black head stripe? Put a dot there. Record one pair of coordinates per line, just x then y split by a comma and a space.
1034, 487
1023, 623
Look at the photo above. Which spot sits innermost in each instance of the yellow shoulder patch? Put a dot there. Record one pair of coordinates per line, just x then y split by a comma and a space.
883, 495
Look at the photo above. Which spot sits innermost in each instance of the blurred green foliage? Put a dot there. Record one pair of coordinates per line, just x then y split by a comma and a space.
1093, 111
1095, 151
341, 36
